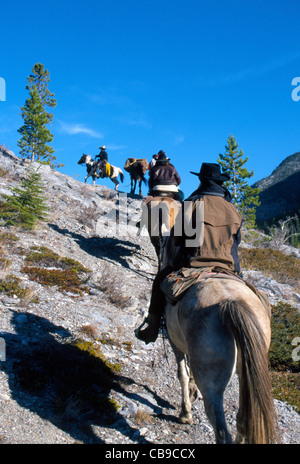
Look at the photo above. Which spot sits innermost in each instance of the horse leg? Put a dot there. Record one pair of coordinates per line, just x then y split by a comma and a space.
140, 187
212, 357
212, 389
185, 416
193, 389
115, 181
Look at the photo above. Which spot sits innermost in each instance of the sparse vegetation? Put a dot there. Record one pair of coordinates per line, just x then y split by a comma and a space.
273, 263
69, 275
26, 206
46, 257
143, 417
285, 371
66, 280
11, 286
73, 378
109, 285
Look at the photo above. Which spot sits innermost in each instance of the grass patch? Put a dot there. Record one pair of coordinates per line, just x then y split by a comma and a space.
66, 280
273, 263
8, 237
68, 275
286, 387
95, 351
4, 172
11, 286
43, 256
285, 371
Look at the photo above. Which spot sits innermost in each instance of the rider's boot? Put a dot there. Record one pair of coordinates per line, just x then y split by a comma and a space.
150, 333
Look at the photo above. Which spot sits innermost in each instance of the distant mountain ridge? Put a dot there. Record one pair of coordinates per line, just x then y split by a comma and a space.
280, 192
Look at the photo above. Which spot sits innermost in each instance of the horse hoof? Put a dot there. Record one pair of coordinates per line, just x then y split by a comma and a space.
186, 419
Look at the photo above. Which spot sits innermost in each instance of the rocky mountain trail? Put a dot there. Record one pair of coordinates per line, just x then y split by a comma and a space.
51, 391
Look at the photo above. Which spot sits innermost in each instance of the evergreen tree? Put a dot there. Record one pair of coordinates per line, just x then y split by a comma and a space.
244, 197
40, 77
35, 135
26, 205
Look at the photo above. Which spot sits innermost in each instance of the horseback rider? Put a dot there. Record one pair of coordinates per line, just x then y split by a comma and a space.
163, 178
103, 159
222, 235
152, 162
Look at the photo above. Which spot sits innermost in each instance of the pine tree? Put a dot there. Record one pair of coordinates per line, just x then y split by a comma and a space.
244, 197
35, 135
26, 205
40, 77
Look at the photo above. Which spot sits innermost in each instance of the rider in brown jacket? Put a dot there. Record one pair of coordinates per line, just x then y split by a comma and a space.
218, 245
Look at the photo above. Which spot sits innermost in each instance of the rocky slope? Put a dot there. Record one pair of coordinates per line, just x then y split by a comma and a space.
280, 191
40, 397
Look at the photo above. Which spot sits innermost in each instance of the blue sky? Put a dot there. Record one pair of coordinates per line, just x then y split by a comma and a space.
140, 76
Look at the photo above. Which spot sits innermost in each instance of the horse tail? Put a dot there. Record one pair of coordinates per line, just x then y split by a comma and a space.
256, 400
121, 176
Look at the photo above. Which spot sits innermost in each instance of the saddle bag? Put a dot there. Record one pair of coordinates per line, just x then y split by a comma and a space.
177, 283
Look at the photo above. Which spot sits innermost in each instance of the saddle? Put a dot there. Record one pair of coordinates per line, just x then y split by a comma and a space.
176, 284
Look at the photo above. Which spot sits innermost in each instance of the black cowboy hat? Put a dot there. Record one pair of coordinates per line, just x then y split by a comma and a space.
211, 171
161, 156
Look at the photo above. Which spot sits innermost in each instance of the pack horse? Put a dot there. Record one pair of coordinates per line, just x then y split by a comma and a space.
218, 327
136, 167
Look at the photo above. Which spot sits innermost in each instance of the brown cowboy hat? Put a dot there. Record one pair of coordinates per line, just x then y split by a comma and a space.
211, 171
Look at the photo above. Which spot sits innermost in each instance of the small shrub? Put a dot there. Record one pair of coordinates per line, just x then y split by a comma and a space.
4, 172
285, 326
127, 345
109, 285
273, 263
285, 371
26, 205
44, 256
68, 275
8, 237
286, 387
89, 331
5, 263
11, 287
66, 280
143, 417
94, 350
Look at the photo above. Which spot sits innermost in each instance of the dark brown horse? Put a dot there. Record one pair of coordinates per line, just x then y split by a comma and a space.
137, 169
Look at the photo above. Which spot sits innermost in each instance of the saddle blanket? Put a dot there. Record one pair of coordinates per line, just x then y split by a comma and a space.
107, 170
176, 284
